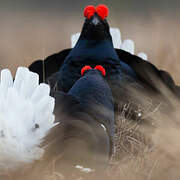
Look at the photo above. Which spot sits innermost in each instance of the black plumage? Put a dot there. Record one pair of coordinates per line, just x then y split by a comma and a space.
77, 97
86, 115
124, 70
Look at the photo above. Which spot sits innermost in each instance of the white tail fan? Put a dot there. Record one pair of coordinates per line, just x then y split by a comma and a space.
26, 116
143, 56
127, 45
74, 39
116, 37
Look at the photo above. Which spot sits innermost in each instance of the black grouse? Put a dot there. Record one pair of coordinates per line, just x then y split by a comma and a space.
86, 116
126, 73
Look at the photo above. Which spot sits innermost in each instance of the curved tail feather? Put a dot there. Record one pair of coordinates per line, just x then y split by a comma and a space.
128, 45
143, 56
116, 37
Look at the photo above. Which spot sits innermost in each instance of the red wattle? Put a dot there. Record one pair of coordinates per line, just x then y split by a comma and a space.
102, 10
100, 68
89, 11
85, 68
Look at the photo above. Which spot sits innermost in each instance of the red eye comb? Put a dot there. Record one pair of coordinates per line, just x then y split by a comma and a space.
89, 11
101, 69
84, 69
102, 10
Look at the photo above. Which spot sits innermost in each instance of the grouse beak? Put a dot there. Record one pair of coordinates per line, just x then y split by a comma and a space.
95, 20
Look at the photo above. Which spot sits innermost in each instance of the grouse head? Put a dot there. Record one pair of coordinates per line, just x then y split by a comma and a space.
96, 26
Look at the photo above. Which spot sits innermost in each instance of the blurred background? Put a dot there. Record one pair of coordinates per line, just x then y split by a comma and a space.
31, 30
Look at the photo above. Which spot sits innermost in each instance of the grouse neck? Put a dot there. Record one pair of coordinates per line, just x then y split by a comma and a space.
94, 49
